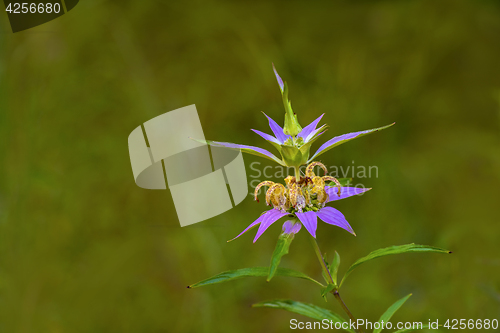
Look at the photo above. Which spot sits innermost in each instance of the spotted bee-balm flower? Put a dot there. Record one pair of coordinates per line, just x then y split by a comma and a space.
303, 200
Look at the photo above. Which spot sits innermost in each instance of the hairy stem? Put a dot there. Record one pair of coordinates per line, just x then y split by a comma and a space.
335, 291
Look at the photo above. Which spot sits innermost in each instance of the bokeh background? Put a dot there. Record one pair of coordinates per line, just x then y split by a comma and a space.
83, 249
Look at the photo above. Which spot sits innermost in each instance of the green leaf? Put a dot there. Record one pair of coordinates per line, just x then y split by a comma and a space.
404, 330
291, 155
308, 310
251, 272
281, 249
337, 143
393, 250
390, 312
327, 289
334, 267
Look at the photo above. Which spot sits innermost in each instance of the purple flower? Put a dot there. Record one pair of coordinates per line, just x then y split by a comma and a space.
300, 144
280, 141
308, 219
304, 198
307, 134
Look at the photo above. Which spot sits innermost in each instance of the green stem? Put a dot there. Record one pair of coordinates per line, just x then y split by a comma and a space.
321, 260
297, 173
335, 291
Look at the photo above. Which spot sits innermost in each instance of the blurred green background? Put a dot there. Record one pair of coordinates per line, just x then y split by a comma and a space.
83, 249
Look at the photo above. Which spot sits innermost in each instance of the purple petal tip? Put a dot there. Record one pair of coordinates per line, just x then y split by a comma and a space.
289, 227
280, 81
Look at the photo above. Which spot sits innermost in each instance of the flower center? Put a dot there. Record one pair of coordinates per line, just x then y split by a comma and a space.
306, 194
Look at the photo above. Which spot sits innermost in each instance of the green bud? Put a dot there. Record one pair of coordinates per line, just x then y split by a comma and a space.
292, 126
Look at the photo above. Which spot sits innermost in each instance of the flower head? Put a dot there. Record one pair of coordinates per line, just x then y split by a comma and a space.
301, 198
305, 201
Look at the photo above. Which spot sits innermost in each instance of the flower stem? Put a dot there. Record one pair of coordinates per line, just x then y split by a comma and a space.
321, 261
297, 174
335, 291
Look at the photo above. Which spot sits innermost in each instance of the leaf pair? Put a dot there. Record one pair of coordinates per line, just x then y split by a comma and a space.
282, 248
333, 268
311, 310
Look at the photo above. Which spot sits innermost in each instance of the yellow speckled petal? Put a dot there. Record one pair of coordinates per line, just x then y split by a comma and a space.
310, 168
264, 183
335, 180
